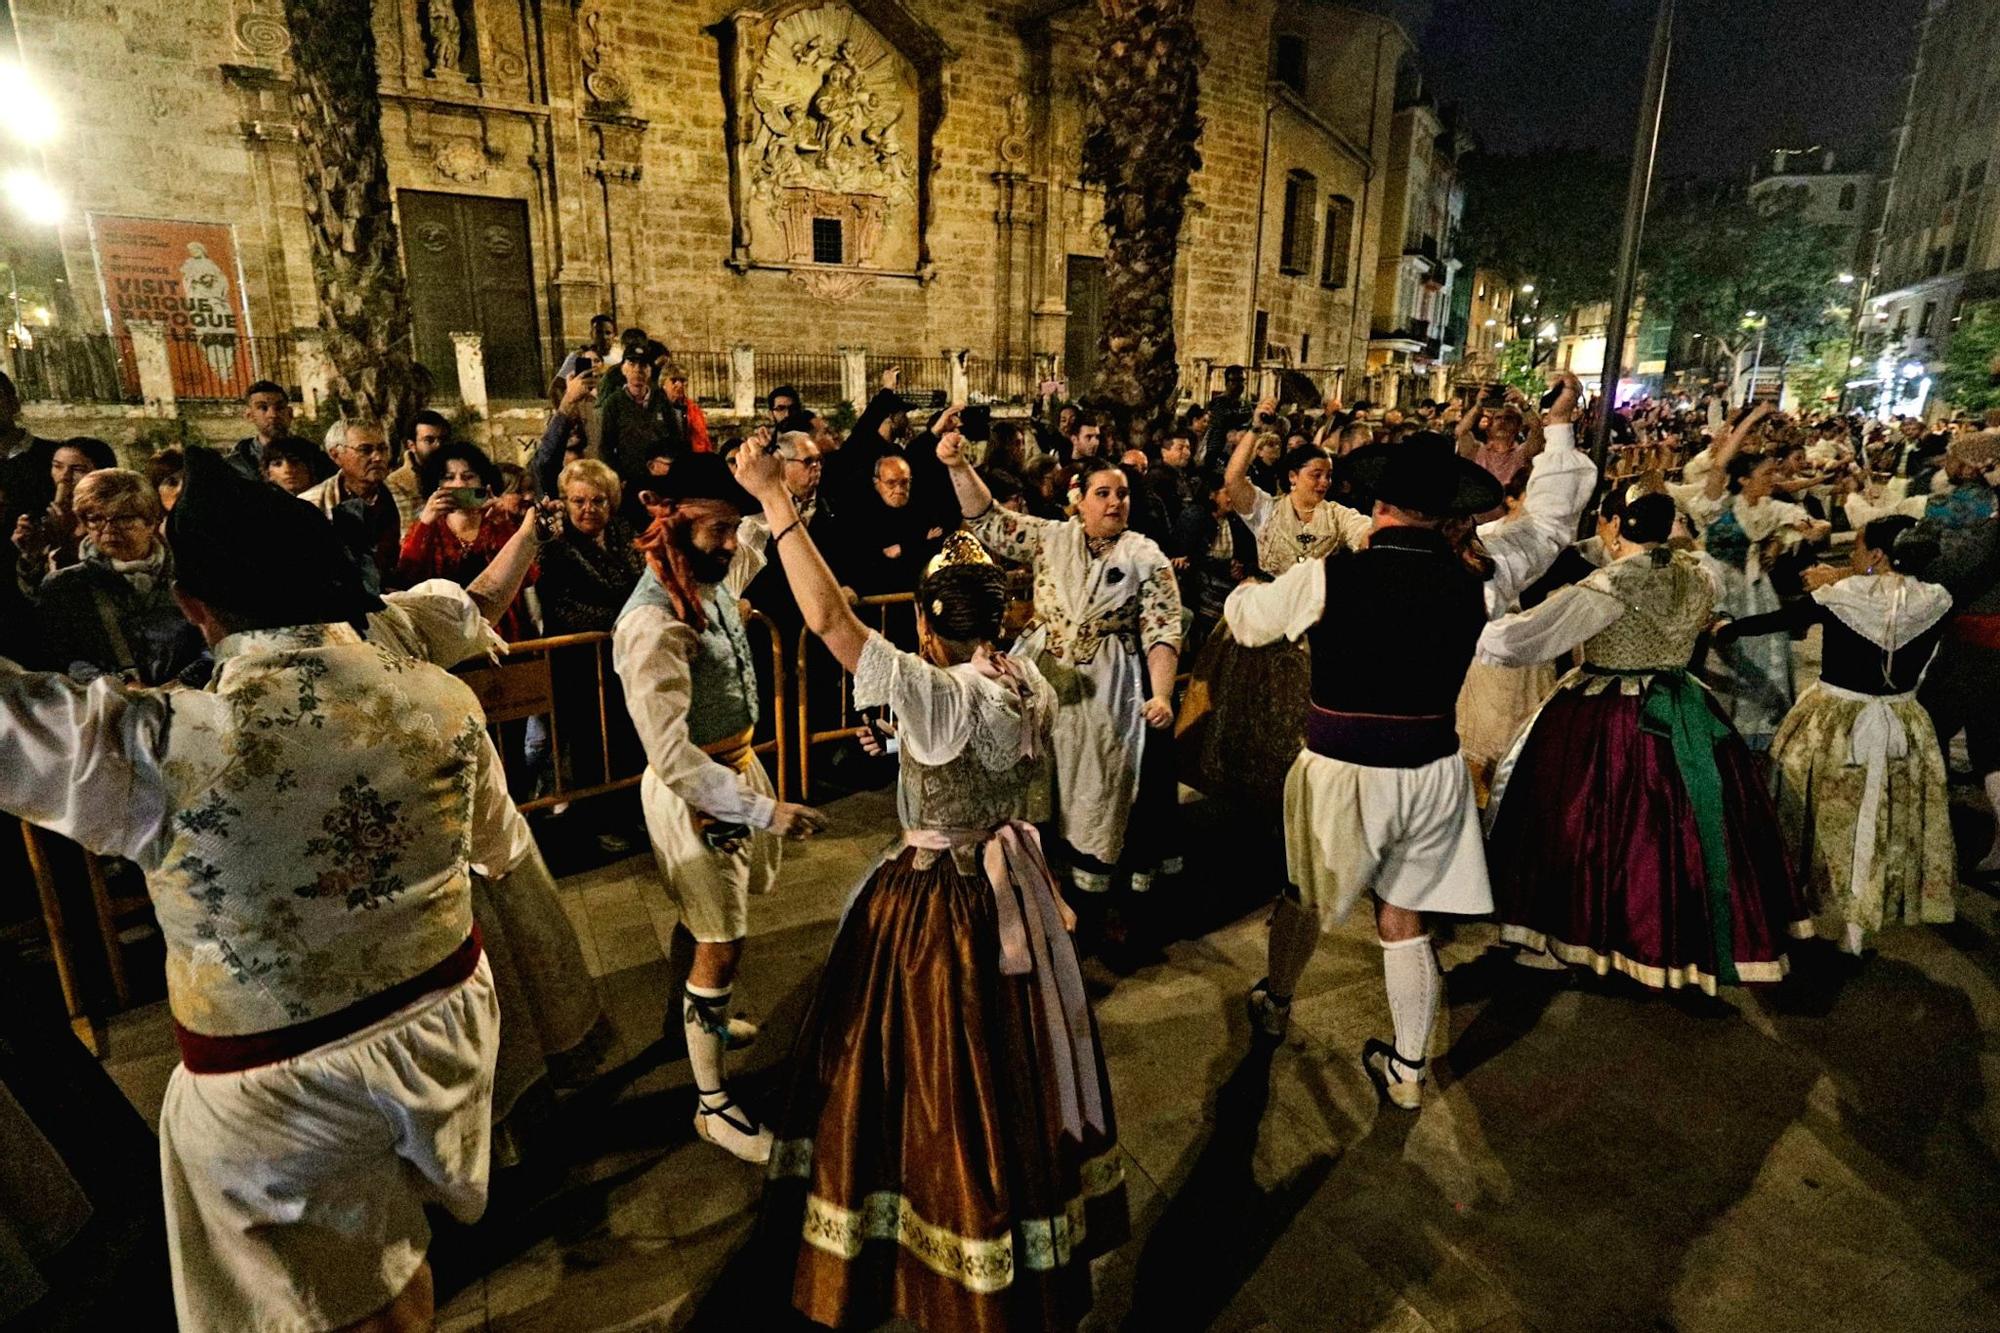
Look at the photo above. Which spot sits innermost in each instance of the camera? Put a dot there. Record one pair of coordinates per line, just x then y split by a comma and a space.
976, 422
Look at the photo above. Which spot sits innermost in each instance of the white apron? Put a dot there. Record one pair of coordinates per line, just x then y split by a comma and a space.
1085, 640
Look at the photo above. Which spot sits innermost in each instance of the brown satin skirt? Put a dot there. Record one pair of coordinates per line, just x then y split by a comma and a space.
922, 1171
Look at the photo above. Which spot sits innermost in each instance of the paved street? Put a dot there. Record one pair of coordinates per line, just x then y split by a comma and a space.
1591, 1158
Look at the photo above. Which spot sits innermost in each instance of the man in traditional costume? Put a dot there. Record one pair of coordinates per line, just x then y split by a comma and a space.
715, 824
307, 827
1379, 801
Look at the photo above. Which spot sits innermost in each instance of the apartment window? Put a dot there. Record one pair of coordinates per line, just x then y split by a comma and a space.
1288, 62
1925, 320
1260, 329
1848, 192
1956, 260
828, 246
1902, 323
1305, 348
1295, 249
1338, 241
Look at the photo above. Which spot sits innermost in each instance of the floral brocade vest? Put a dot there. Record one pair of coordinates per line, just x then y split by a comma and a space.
316, 855
722, 700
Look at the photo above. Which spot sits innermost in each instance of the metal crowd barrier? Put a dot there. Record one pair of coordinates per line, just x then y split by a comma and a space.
522, 685
846, 723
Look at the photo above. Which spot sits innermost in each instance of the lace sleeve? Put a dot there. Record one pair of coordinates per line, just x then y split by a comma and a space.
934, 707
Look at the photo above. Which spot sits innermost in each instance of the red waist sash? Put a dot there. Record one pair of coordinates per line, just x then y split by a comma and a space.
1977, 631
203, 1054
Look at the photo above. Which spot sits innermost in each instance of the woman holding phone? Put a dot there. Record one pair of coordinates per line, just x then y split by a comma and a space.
460, 529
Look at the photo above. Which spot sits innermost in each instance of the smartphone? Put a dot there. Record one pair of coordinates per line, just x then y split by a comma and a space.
1493, 394
884, 737
1549, 398
468, 497
976, 422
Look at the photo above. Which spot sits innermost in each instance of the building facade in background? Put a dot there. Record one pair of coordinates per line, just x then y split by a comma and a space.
1846, 201
1414, 340
899, 175
1939, 250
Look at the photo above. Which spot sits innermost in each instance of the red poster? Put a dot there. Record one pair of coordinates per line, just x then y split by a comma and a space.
183, 275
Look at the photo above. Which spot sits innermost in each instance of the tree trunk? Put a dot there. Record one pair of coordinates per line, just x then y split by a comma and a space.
364, 305
1140, 147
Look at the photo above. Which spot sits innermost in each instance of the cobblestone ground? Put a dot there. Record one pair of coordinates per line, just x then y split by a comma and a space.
1592, 1157
1820, 1155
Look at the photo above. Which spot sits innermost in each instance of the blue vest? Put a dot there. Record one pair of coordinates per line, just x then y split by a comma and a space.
723, 702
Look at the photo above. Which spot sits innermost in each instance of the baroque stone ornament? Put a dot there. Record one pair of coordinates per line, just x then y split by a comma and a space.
833, 112
1014, 137
601, 79
459, 160
832, 286
828, 111
259, 32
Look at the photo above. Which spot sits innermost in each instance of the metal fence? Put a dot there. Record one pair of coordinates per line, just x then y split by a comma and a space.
1001, 379
708, 377
221, 367
925, 379
816, 376
73, 368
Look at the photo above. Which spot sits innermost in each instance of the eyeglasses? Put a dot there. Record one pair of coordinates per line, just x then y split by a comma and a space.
806, 462
369, 450
106, 522
587, 502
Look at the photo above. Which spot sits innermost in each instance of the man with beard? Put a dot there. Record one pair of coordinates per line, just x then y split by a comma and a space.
680, 651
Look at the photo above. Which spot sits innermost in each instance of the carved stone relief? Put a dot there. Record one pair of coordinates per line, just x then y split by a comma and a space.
601, 78
828, 136
459, 160
258, 30
1013, 148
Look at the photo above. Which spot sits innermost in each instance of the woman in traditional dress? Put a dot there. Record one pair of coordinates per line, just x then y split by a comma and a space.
1257, 696
1861, 780
1107, 634
947, 1154
1741, 528
1631, 830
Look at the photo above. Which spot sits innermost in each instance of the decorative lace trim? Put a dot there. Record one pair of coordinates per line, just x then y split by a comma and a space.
979, 1264
1659, 978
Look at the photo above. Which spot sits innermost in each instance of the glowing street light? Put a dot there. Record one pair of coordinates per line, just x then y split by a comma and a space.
1853, 361
32, 197
26, 113
1914, 370
1528, 289
1845, 279
1491, 322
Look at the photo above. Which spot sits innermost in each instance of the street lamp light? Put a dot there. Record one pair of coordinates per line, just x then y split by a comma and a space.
31, 196
1528, 289
1845, 279
26, 114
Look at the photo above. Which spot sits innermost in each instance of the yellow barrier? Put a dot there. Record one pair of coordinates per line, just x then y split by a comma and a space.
846, 725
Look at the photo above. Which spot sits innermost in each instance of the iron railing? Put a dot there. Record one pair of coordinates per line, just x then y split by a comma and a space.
66, 367
815, 375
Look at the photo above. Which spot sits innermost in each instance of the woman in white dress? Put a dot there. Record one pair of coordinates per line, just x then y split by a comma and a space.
947, 1155
1741, 527
1107, 635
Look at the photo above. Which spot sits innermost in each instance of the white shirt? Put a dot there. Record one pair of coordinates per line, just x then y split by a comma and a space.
1571, 617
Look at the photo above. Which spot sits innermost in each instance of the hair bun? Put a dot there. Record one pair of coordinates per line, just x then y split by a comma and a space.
1913, 551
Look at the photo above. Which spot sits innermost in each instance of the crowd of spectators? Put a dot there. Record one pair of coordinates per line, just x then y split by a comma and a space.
92, 585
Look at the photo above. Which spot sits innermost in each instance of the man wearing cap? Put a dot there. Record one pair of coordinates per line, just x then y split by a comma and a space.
715, 825
308, 826
636, 432
1379, 801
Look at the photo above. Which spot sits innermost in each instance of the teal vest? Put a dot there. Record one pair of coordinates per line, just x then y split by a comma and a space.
724, 697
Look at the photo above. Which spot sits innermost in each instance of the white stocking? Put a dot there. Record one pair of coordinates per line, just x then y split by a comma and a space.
1416, 987
705, 1017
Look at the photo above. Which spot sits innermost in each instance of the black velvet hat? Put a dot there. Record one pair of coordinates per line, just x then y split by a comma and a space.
704, 477
259, 554
1423, 473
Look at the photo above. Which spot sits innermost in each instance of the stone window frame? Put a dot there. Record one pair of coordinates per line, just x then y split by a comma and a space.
1337, 243
1295, 238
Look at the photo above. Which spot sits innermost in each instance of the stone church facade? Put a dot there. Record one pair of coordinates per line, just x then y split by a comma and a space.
900, 175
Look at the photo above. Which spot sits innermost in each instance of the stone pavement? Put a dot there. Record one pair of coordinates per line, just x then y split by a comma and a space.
1591, 1156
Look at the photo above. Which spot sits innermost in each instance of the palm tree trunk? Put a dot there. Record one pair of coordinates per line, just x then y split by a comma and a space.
364, 305
1140, 147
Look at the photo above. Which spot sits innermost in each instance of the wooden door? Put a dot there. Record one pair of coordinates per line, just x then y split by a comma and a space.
1085, 298
470, 271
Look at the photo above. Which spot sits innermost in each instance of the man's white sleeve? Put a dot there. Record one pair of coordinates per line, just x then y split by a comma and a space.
85, 761
1261, 613
650, 651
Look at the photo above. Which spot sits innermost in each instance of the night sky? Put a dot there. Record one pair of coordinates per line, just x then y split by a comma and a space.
1747, 74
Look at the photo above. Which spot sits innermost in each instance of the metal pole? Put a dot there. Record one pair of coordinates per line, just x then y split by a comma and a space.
1638, 188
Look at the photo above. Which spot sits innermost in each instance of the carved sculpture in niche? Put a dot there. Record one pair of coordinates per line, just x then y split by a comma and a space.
446, 35
829, 126
601, 79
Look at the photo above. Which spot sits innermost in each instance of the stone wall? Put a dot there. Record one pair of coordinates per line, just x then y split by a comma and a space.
611, 123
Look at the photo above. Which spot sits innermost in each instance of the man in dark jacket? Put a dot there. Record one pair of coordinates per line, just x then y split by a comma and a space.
638, 434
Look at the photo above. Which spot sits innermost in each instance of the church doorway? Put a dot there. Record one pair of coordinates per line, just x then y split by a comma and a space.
470, 271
